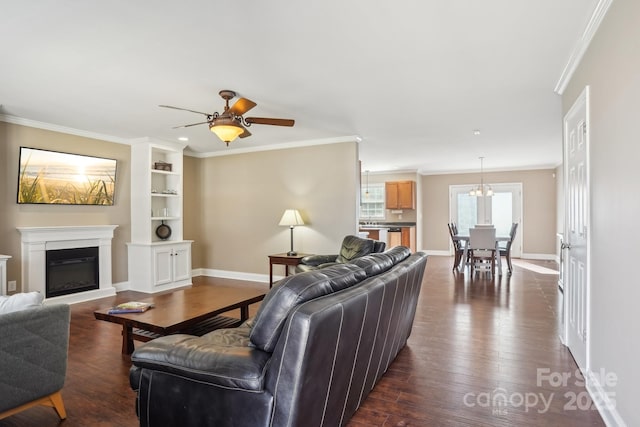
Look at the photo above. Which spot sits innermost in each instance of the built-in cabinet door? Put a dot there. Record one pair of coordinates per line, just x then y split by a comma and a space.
181, 263
163, 270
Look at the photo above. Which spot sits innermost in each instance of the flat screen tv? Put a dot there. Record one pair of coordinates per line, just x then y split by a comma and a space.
52, 177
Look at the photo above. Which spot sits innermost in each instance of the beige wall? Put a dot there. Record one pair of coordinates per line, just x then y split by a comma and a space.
244, 196
611, 68
539, 207
192, 208
13, 215
232, 204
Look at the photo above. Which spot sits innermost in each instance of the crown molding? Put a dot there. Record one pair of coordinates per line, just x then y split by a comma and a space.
582, 45
282, 146
62, 129
129, 141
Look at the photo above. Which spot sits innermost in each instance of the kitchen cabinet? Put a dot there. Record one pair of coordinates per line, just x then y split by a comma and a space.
400, 194
373, 234
409, 237
402, 236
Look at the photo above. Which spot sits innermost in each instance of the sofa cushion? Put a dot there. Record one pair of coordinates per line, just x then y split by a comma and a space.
342, 276
398, 253
281, 299
20, 301
220, 358
354, 247
374, 264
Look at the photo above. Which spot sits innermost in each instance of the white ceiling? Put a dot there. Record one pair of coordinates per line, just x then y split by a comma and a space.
412, 78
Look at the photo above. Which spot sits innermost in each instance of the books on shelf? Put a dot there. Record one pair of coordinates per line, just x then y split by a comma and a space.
131, 307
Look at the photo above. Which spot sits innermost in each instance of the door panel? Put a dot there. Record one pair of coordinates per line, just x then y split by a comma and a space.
576, 138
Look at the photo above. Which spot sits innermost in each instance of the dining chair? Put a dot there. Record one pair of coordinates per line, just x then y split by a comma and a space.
458, 250
482, 249
505, 250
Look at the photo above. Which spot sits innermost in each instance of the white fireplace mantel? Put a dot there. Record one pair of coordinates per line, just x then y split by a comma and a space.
37, 240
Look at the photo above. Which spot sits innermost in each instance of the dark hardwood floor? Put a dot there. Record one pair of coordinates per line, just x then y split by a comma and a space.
475, 344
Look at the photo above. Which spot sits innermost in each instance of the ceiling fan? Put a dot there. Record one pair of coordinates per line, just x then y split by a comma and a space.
231, 123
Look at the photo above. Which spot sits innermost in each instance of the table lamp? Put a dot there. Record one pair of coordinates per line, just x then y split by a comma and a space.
291, 218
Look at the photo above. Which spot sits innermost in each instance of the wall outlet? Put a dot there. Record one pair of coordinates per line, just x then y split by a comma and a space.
11, 286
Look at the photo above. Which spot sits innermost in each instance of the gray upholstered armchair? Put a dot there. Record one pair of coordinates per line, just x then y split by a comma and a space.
33, 364
352, 247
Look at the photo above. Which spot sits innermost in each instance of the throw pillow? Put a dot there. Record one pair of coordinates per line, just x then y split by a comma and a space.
20, 301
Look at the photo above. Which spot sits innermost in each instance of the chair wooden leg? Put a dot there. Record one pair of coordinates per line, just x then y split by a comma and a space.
456, 260
53, 400
58, 404
509, 262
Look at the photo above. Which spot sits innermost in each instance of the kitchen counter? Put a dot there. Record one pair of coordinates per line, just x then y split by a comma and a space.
386, 224
393, 233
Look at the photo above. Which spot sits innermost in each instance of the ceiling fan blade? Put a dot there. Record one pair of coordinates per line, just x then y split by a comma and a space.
186, 126
268, 121
241, 106
184, 109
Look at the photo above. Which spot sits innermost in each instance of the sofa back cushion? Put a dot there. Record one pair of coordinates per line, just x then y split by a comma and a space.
354, 247
374, 264
294, 290
398, 253
342, 276
281, 299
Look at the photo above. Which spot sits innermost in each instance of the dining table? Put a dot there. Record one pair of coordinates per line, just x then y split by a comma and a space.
464, 239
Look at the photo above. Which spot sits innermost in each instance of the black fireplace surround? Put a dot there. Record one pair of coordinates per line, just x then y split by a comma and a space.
71, 270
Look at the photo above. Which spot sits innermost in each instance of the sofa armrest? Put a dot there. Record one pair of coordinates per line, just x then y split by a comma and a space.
316, 260
34, 348
202, 359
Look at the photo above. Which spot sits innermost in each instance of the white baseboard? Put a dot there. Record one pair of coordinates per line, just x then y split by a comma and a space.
122, 286
542, 257
436, 253
606, 406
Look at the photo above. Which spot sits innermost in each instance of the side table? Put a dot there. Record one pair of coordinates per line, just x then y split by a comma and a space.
283, 259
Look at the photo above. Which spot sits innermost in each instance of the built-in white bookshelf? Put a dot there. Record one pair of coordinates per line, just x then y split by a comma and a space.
159, 259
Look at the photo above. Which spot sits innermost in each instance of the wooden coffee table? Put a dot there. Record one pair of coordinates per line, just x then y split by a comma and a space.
195, 310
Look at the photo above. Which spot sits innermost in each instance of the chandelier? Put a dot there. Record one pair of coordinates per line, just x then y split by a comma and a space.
481, 190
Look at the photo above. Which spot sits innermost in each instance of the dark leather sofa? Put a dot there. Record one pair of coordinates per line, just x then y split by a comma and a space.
352, 247
318, 345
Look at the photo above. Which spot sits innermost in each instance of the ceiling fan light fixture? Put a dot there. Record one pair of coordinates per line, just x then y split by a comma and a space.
226, 129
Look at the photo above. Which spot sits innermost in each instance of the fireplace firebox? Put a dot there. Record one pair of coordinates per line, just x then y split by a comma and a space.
71, 270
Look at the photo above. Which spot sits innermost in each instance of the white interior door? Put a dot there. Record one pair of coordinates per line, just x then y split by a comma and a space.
576, 228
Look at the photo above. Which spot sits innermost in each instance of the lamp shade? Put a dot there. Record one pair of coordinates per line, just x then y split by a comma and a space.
291, 218
226, 129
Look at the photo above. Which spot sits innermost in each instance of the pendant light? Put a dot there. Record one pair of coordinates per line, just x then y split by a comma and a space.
481, 190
